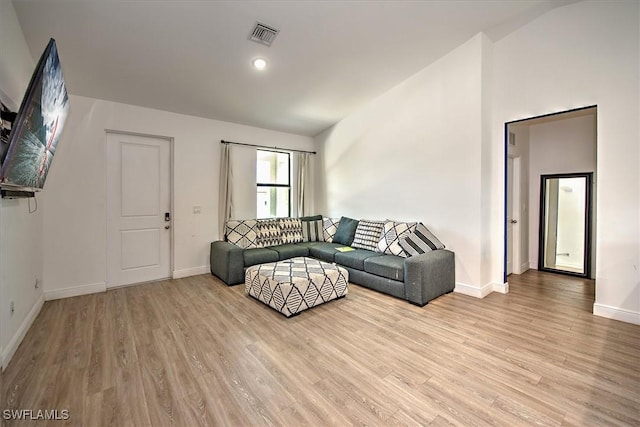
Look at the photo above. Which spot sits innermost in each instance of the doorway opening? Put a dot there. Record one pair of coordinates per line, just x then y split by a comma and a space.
552, 144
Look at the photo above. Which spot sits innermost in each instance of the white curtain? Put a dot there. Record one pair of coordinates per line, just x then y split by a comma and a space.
225, 203
303, 165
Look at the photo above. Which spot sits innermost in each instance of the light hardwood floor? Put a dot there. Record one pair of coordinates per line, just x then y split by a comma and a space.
194, 351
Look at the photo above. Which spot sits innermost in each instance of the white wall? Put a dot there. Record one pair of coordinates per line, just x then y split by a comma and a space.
75, 198
414, 154
583, 54
562, 146
419, 151
20, 231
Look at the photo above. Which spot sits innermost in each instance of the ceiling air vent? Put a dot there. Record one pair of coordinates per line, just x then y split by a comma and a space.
263, 34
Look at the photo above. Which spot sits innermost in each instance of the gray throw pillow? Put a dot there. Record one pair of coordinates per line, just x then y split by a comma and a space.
346, 231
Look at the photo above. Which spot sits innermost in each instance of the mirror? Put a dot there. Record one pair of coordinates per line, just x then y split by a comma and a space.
565, 224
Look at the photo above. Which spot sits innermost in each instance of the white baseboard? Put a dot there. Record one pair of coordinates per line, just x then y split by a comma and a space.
524, 267
502, 288
17, 338
616, 313
186, 272
75, 291
473, 291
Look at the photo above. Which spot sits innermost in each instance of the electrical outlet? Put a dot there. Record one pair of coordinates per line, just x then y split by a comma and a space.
12, 308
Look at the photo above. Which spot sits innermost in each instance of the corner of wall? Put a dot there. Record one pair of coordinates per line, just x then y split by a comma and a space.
14, 343
474, 291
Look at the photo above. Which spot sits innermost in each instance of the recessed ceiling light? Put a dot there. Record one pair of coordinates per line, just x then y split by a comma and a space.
259, 64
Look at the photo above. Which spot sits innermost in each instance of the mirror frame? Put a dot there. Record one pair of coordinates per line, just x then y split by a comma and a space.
587, 223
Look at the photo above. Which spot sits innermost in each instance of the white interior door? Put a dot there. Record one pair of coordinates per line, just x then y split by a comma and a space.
138, 205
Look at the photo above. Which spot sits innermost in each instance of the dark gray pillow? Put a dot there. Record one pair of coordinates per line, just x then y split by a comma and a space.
346, 231
310, 218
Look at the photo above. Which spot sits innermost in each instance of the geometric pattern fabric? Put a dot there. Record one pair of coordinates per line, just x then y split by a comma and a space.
312, 231
297, 284
242, 233
392, 233
330, 226
269, 233
368, 234
290, 230
420, 241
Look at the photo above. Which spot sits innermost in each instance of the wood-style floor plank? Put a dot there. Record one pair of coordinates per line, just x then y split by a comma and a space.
193, 352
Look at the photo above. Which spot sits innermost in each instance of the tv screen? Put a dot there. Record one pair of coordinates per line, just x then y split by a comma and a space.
36, 130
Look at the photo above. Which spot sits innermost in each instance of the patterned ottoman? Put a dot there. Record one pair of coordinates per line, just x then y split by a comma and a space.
296, 284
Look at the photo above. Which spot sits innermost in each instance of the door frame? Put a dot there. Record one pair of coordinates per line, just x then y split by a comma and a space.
506, 176
170, 140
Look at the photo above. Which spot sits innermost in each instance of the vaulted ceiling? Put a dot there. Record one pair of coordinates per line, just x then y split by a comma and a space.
194, 57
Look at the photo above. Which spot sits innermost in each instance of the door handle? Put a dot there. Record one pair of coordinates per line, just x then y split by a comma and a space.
166, 227
514, 221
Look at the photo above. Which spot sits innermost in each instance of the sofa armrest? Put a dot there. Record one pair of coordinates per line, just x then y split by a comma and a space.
227, 262
429, 275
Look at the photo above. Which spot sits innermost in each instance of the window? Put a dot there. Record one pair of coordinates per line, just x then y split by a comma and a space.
273, 176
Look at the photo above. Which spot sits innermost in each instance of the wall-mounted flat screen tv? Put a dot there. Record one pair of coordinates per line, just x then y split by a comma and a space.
37, 127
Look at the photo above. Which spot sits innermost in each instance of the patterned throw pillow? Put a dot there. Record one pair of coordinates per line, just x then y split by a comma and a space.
290, 230
420, 241
312, 230
392, 233
269, 233
330, 226
368, 234
242, 233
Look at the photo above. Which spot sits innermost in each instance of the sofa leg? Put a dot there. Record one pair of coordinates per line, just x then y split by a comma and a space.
418, 305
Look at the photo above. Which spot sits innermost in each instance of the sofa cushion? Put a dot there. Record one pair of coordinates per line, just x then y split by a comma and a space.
290, 230
269, 233
329, 228
420, 241
346, 231
242, 233
312, 228
368, 234
308, 244
354, 259
290, 250
259, 256
392, 233
389, 266
324, 251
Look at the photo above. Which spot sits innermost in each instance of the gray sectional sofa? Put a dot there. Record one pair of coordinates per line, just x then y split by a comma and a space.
417, 279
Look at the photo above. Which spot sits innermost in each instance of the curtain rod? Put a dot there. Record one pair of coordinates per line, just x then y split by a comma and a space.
222, 141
